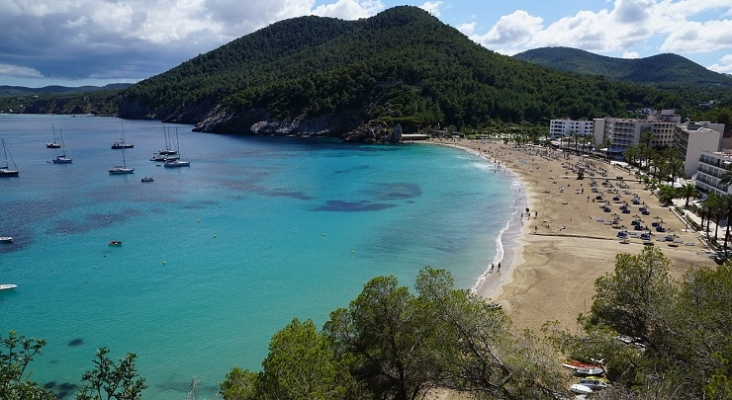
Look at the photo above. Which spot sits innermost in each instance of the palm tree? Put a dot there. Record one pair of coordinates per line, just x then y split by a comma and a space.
726, 179
686, 192
728, 204
712, 206
647, 136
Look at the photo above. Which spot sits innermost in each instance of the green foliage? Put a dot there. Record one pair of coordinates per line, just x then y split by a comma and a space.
110, 380
632, 298
392, 344
683, 326
16, 353
666, 193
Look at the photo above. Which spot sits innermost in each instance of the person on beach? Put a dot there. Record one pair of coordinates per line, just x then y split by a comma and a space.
490, 271
499, 267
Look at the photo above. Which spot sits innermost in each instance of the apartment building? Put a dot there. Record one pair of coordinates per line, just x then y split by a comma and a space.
693, 138
625, 132
712, 165
567, 127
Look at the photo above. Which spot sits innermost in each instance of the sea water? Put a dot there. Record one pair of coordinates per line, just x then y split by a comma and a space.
218, 256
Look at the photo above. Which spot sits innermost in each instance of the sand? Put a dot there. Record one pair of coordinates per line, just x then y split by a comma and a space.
568, 241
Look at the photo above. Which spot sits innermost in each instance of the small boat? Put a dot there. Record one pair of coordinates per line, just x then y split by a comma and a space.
5, 170
62, 159
589, 371
593, 383
115, 243
147, 179
176, 163
6, 239
580, 389
7, 286
121, 144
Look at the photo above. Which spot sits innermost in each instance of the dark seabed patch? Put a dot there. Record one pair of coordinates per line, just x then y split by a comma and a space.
394, 191
353, 206
76, 342
50, 385
92, 221
66, 389
287, 193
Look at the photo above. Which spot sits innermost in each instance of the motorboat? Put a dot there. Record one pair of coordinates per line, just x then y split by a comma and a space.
7, 286
62, 159
6, 239
115, 243
147, 179
121, 144
176, 163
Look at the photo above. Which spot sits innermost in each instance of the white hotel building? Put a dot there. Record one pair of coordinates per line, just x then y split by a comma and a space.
567, 127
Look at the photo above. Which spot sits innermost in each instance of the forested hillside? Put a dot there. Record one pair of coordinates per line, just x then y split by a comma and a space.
403, 65
658, 69
313, 75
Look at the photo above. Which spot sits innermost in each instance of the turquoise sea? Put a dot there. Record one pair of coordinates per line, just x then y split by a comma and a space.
219, 256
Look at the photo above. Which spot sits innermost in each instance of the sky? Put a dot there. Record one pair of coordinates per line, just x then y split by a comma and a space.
96, 42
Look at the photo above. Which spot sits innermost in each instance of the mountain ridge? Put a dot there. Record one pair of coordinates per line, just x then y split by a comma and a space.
665, 68
324, 76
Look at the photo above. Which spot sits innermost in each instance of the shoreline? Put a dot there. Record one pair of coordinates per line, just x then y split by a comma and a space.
552, 259
509, 245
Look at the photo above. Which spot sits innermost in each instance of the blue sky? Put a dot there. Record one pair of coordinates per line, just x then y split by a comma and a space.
95, 42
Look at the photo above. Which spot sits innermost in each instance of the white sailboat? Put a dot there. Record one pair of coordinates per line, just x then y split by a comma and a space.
175, 163
53, 144
5, 170
121, 169
63, 158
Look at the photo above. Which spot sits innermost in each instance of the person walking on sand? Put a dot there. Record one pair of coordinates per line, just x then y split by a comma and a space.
490, 271
499, 267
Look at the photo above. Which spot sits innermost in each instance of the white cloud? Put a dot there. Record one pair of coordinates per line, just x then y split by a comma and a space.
694, 37
76, 39
432, 7
349, 9
723, 65
625, 26
19, 72
631, 54
511, 31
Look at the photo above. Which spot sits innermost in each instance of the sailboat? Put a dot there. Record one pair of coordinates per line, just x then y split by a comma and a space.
62, 159
165, 154
118, 170
177, 162
5, 170
53, 144
122, 144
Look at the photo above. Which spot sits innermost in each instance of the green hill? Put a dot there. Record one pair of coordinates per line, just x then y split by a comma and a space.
658, 69
314, 75
323, 75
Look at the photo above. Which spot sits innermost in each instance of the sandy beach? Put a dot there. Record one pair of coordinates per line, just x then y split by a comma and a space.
569, 236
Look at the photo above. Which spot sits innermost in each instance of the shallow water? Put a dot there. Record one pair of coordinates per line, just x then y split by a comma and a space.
219, 256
